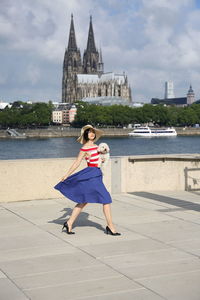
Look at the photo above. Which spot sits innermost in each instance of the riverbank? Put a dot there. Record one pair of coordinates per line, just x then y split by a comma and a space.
74, 132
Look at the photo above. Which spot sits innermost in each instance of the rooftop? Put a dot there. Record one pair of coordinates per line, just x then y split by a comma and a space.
155, 258
106, 100
94, 78
177, 101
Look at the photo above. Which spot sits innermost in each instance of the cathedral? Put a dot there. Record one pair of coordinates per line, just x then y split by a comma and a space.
85, 78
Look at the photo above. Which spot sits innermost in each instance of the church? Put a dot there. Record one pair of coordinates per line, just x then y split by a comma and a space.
85, 78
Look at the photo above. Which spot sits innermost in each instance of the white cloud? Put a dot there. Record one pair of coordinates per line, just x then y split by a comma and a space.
33, 73
152, 41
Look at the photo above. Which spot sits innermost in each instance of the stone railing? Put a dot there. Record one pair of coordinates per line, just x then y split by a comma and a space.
30, 179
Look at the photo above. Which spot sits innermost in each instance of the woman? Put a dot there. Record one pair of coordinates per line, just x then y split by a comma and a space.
86, 186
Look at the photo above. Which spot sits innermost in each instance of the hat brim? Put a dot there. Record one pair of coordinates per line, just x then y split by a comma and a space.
98, 133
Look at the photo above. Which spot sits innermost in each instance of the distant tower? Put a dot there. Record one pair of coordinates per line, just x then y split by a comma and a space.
169, 90
71, 67
100, 64
91, 55
190, 96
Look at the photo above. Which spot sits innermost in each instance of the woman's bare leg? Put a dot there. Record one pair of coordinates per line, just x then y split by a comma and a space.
108, 216
76, 211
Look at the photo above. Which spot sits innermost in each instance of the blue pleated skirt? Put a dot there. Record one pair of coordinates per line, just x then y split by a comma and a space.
85, 186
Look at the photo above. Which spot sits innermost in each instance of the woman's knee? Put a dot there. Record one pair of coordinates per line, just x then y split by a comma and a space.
106, 206
81, 205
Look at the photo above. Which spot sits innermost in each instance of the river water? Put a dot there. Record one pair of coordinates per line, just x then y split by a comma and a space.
120, 146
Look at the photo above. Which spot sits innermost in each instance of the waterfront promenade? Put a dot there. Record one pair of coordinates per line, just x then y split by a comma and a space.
156, 257
60, 131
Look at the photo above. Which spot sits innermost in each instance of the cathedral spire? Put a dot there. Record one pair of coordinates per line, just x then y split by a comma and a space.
190, 89
72, 37
91, 43
100, 64
71, 67
100, 57
91, 55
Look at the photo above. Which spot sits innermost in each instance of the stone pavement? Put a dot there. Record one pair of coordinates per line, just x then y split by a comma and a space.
156, 257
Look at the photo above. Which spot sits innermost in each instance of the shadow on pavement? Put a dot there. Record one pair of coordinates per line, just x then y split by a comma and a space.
183, 204
82, 220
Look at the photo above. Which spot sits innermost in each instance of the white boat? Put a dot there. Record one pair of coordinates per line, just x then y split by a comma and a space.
152, 132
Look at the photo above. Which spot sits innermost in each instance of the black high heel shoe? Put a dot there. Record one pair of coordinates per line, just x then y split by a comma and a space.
65, 225
109, 231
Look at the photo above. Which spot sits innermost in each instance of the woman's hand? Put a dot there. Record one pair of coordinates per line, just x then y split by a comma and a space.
103, 160
64, 177
74, 166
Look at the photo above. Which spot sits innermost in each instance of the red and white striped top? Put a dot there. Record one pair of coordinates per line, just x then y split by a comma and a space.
93, 159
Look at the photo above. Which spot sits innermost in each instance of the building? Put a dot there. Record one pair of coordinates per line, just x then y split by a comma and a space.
106, 101
69, 114
181, 101
64, 114
4, 105
190, 96
57, 116
169, 90
86, 78
72, 113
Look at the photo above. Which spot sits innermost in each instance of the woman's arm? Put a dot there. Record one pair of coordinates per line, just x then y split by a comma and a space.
75, 165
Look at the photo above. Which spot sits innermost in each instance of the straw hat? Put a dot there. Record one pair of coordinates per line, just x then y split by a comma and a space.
98, 133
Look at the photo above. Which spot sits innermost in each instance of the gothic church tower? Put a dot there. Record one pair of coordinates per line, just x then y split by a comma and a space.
82, 79
91, 55
71, 67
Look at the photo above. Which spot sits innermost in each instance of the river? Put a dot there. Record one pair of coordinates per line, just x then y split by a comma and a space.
120, 146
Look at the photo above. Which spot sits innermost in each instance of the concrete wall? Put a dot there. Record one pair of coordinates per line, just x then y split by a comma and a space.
35, 178
28, 179
159, 173
75, 132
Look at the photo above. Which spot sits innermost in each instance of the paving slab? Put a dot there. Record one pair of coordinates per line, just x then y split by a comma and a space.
168, 231
137, 202
90, 231
2, 275
191, 246
161, 268
187, 215
157, 253
170, 198
9, 219
47, 263
145, 258
19, 230
92, 288
124, 247
66, 276
9, 291
181, 195
182, 286
27, 241
39, 213
140, 294
34, 251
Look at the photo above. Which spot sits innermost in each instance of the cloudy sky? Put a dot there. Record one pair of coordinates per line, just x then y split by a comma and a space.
151, 40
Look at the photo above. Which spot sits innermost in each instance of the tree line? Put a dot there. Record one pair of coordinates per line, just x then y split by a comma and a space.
119, 115
23, 115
